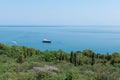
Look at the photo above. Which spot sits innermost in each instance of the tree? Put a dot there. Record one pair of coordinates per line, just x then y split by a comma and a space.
88, 53
75, 59
71, 57
61, 55
108, 57
115, 54
112, 62
20, 58
38, 52
93, 58
49, 56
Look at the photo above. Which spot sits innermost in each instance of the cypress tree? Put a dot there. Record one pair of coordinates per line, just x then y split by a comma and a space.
71, 57
112, 62
75, 59
93, 59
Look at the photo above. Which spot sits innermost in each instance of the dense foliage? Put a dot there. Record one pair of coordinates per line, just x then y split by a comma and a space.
17, 63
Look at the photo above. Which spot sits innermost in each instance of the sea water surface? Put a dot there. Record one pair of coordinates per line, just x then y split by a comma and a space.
100, 39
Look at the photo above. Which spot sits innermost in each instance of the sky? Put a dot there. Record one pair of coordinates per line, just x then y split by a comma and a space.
59, 12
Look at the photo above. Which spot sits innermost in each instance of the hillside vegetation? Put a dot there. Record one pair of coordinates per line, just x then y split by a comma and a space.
23, 63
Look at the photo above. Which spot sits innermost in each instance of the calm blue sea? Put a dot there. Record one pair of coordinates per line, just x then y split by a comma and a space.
100, 39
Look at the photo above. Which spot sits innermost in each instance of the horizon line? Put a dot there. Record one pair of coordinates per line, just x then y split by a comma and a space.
50, 25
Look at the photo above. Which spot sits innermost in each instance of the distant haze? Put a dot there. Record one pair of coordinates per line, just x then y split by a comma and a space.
59, 12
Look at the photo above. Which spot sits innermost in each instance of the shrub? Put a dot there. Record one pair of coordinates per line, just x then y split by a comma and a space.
43, 76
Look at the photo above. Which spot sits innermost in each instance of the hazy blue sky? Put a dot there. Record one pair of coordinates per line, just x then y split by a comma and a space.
60, 12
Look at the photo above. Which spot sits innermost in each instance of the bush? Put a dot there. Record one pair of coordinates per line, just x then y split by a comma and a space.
43, 76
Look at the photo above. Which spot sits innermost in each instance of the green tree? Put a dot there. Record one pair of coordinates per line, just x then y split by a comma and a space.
75, 59
72, 57
93, 58
88, 53
20, 58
